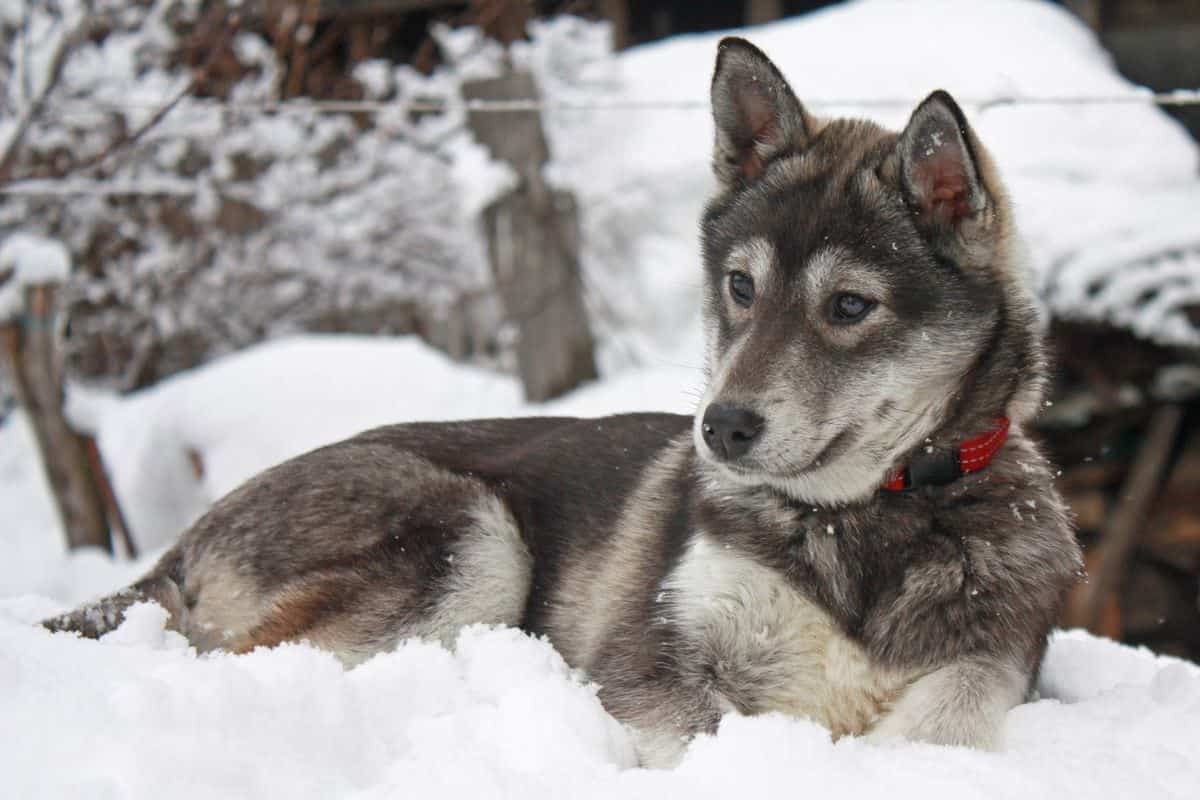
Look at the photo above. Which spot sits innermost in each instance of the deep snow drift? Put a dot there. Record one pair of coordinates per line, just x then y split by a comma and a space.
138, 714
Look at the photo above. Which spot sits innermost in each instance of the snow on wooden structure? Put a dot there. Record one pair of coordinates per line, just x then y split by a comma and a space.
31, 271
1125, 426
1125, 423
533, 246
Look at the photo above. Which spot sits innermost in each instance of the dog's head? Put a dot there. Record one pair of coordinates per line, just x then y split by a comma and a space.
862, 295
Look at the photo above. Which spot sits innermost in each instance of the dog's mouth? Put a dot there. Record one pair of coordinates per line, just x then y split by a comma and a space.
751, 467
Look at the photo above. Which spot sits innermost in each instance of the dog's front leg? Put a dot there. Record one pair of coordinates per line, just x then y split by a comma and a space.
961, 703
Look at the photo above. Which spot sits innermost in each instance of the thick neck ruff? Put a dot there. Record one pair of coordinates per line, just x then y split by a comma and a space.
938, 467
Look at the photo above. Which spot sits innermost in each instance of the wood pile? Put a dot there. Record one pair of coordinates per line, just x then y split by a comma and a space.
1124, 426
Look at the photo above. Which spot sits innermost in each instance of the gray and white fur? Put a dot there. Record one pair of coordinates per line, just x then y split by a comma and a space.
744, 560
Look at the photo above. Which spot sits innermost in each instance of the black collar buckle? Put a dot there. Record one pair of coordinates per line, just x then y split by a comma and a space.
933, 468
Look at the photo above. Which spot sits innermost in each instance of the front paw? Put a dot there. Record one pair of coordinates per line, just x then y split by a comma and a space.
944, 727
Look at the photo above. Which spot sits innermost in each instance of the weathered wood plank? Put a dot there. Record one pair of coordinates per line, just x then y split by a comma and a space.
533, 247
1121, 532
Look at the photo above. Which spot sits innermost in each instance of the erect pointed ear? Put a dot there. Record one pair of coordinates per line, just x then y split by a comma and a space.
940, 171
755, 112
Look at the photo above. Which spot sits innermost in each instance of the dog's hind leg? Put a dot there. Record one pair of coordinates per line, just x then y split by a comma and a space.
480, 572
352, 548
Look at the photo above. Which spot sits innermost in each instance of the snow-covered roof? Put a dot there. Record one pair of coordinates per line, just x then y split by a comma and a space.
1107, 195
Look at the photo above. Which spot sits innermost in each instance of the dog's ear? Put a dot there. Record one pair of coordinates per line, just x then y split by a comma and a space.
755, 113
942, 171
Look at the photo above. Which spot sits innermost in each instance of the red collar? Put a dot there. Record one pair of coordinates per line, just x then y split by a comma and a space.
938, 467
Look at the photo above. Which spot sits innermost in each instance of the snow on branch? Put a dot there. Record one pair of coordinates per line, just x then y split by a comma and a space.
43, 43
195, 233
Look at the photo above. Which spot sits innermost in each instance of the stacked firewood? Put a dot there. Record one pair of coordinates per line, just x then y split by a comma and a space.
1124, 425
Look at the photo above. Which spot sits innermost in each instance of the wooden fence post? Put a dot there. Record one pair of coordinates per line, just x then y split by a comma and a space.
29, 347
617, 14
759, 11
533, 246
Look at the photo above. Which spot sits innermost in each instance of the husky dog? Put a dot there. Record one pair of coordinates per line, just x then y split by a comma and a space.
854, 528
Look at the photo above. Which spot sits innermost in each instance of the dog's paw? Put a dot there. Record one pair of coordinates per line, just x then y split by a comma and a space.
951, 731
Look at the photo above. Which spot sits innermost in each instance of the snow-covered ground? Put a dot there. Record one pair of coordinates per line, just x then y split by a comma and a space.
140, 715
1106, 195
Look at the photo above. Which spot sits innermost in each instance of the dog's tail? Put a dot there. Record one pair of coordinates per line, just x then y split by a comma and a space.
161, 585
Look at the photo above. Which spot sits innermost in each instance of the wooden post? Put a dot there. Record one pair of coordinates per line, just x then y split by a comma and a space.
29, 348
533, 246
112, 508
760, 11
502, 20
1106, 567
1090, 11
617, 14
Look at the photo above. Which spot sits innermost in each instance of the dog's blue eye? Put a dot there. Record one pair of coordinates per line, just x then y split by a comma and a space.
848, 307
741, 288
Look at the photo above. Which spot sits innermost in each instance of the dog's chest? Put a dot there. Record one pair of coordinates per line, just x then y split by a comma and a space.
763, 646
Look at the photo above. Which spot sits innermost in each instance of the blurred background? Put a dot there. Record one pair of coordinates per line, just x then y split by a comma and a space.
230, 232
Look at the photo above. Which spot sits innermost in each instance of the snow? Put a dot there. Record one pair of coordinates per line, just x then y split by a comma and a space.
230, 413
479, 178
280, 223
139, 714
1105, 194
220, 228
27, 260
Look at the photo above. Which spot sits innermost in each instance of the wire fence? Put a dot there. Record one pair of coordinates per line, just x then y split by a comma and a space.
1174, 98
76, 186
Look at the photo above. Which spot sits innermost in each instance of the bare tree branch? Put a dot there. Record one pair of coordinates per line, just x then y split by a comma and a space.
198, 77
67, 41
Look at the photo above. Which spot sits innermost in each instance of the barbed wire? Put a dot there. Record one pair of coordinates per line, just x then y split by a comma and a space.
74, 186
1173, 98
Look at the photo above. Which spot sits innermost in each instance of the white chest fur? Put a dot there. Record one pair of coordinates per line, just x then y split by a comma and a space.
768, 647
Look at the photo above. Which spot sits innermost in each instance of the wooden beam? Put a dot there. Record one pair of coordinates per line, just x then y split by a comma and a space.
617, 14
1120, 534
533, 247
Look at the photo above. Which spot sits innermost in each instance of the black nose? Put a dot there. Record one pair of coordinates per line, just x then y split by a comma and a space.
729, 431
